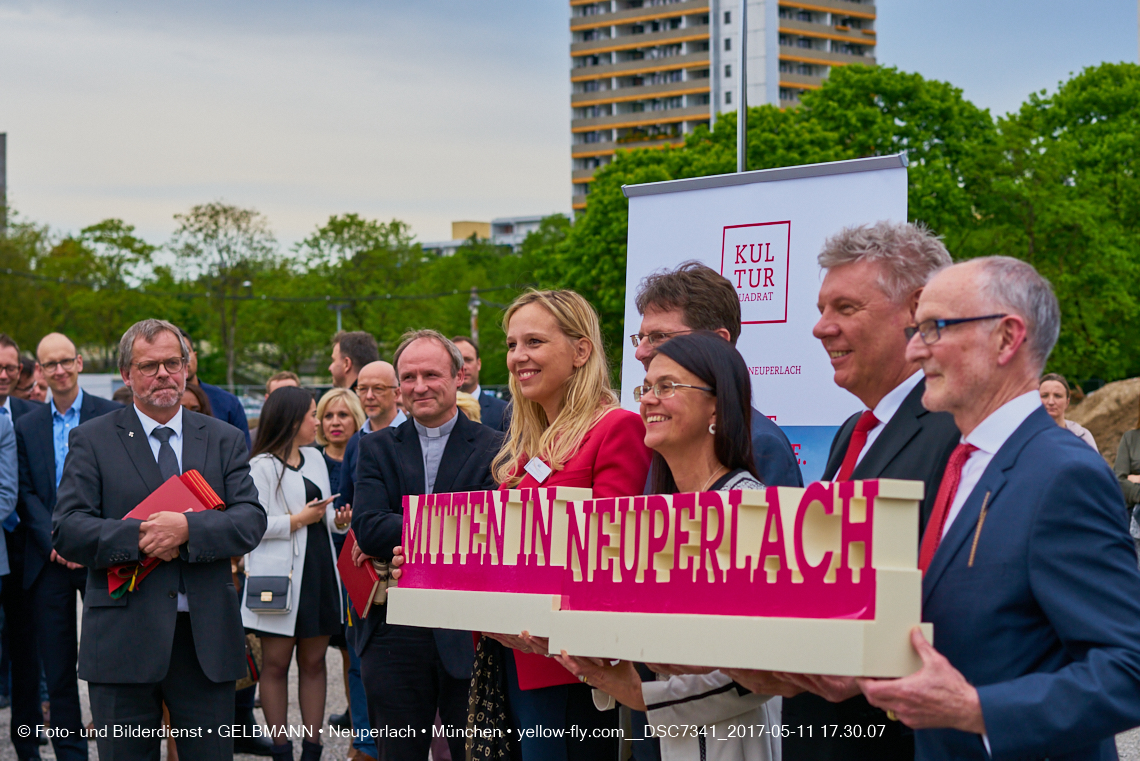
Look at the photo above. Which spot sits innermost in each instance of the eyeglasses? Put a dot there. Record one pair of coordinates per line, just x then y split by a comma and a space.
665, 390
655, 339
931, 330
50, 367
172, 365
362, 390
12, 370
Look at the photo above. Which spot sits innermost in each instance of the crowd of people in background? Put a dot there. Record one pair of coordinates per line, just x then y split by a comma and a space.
1041, 656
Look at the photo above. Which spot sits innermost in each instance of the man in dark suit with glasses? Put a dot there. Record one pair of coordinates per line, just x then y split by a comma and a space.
177, 638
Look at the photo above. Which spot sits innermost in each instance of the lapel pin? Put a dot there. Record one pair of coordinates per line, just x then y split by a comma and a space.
131, 434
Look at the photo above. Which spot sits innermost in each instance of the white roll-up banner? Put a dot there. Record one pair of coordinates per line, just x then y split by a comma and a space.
763, 231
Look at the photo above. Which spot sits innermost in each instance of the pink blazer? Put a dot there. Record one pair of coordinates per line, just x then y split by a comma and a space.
613, 461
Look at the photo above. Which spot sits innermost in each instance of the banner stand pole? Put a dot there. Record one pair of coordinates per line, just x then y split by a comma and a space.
742, 99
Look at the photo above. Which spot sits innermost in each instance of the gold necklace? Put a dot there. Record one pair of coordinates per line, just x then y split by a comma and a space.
713, 477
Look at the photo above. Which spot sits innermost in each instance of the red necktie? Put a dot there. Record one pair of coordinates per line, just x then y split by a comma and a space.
866, 422
946, 491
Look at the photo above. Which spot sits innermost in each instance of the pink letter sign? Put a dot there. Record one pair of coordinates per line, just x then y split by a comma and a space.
820, 580
817, 580
484, 561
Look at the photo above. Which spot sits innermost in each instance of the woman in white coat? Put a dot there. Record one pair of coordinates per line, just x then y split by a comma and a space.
293, 487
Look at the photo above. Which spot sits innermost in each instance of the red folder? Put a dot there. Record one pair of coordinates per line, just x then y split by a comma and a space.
188, 493
359, 581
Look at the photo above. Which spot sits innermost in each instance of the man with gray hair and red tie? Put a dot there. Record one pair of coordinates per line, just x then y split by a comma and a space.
1030, 577
874, 275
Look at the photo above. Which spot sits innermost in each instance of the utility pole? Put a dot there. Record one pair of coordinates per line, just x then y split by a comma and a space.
3, 184
742, 100
473, 307
338, 308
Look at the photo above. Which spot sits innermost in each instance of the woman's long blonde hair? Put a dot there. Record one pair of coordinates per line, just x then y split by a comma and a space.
587, 392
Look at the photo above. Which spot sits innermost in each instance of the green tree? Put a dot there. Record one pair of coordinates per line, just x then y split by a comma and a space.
949, 142
22, 312
591, 258
222, 245
1065, 198
363, 261
858, 112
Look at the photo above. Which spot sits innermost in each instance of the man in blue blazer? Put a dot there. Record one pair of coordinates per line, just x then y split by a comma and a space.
1030, 578
493, 411
224, 405
52, 581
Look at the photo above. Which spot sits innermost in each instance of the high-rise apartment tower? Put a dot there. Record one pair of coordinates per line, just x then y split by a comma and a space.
646, 72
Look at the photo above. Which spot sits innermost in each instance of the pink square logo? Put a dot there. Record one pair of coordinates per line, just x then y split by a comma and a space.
755, 260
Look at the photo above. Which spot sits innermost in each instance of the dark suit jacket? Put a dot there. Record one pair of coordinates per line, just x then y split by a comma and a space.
226, 406
391, 465
914, 445
1045, 620
21, 407
109, 470
348, 471
35, 442
772, 452
494, 411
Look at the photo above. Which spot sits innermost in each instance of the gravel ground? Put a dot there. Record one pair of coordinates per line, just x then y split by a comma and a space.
336, 749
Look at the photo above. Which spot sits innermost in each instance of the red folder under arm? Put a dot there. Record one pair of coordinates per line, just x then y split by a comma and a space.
188, 493
360, 582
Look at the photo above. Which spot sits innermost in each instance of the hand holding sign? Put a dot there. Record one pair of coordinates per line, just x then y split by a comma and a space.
934, 697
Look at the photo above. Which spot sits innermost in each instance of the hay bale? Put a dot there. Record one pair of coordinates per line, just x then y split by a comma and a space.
1108, 412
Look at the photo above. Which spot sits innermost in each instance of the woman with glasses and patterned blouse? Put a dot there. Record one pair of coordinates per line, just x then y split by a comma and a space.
696, 403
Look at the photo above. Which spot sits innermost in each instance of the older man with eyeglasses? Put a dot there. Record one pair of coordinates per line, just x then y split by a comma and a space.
177, 637
43, 437
873, 277
1029, 576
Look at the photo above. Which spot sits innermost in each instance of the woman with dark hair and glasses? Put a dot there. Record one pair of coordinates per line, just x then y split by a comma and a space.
293, 487
696, 403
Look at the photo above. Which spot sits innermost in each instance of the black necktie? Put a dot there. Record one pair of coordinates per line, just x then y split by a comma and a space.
168, 466
167, 461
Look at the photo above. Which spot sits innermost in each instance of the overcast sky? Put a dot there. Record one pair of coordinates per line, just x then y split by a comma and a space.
427, 111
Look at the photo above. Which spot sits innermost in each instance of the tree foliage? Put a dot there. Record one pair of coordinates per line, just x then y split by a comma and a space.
1053, 183
224, 246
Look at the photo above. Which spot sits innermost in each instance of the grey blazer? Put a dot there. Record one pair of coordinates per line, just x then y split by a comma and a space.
109, 470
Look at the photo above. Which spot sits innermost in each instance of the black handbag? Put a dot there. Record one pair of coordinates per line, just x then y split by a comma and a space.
269, 594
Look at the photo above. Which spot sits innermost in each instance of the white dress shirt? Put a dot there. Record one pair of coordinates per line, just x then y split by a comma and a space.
432, 443
886, 409
989, 437
175, 424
